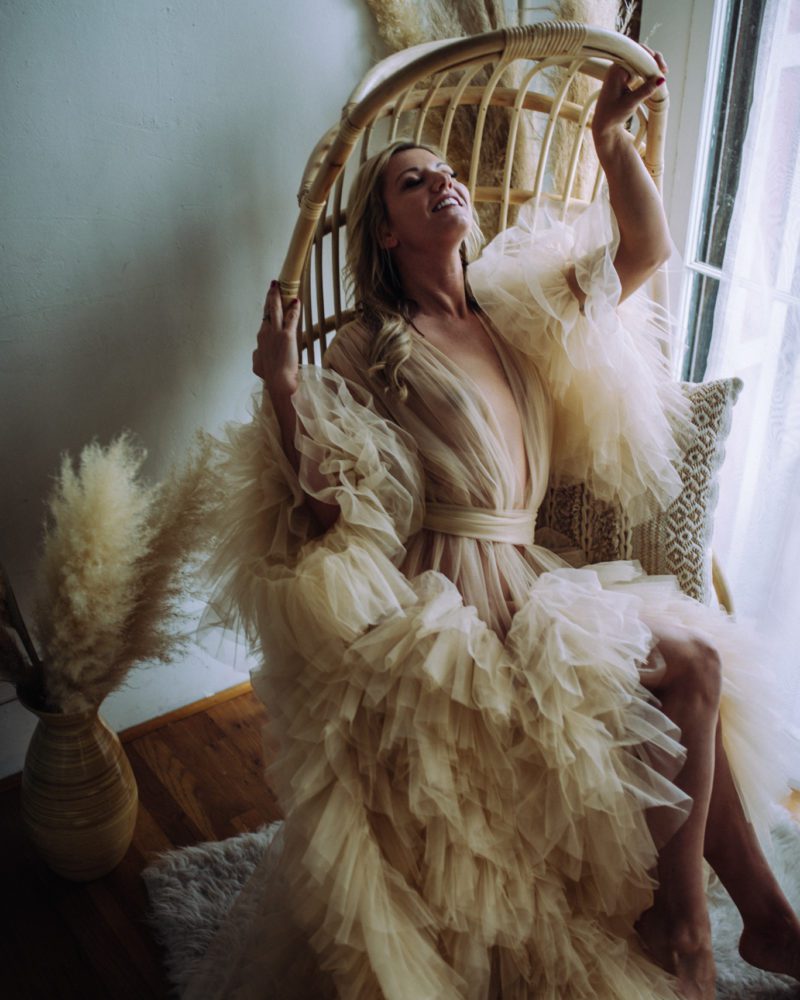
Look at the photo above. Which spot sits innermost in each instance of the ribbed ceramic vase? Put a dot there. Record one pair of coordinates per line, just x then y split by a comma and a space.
79, 795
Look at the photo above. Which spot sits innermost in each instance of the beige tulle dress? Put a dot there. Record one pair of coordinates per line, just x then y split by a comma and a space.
465, 753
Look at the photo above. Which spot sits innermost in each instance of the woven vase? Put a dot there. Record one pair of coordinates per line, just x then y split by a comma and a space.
79, 795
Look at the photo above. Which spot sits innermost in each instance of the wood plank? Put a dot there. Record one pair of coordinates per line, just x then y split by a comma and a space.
99, 944
198, 745
33, 928
132, 934
149, 840
243, 720
231, 787
172, 790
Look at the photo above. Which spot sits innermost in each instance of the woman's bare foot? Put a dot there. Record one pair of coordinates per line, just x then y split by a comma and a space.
683, 949
773, 945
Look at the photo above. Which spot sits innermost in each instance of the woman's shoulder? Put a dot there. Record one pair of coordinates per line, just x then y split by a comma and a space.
349, 348
348, 356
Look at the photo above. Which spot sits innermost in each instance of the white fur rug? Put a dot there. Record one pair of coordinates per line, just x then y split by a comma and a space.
191, 891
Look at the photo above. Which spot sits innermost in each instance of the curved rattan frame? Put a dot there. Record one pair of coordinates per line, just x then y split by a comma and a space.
394, 88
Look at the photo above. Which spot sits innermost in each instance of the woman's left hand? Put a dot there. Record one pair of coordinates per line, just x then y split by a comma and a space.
644, 240
616, 102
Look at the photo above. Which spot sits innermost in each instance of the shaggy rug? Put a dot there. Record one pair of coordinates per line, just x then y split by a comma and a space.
191, 891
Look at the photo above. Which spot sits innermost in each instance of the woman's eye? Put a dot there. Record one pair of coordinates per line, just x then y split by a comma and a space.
412, 182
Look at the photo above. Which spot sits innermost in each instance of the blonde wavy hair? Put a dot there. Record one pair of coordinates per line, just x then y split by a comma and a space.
381, 303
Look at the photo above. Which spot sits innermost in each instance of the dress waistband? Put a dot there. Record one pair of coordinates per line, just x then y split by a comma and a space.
513, 526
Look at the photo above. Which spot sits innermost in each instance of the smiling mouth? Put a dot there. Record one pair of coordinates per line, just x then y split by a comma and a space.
447, 203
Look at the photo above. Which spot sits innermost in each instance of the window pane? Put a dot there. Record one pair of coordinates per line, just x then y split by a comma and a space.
733, 99
702, 302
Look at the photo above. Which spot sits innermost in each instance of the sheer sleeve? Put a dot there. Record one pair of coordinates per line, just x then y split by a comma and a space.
621, 420
349, 456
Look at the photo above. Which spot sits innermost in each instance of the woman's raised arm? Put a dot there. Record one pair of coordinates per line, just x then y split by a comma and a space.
644, 242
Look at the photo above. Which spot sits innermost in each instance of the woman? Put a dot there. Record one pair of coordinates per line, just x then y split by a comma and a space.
478, 757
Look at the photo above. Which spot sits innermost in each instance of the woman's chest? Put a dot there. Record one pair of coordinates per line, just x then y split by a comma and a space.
467, 429
475, 381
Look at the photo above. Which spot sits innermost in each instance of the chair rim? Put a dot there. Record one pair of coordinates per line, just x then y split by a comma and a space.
393, 75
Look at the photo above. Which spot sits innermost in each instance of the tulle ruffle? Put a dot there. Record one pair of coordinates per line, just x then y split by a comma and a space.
351, 457
466, 807
464, 816
620, 418
756, 742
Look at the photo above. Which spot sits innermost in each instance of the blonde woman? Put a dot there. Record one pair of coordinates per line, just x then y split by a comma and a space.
500, 774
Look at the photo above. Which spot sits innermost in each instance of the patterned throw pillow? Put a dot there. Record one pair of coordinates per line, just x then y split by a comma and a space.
678, 540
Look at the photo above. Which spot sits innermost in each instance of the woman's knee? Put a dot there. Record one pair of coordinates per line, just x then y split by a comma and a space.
706, 670
693, 666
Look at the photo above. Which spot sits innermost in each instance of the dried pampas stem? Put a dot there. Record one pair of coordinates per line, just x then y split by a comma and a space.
601, 14
180, 522
13, 667
400, 23
616, 15
403, 23
11, 617
626, 14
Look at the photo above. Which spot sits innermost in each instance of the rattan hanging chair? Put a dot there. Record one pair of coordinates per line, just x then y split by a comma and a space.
512, 109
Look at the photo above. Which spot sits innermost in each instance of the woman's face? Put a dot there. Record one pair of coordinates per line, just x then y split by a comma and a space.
426, 205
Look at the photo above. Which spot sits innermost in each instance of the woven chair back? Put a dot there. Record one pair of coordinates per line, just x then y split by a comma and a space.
511, 109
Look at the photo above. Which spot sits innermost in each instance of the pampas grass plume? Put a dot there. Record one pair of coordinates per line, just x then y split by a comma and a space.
111, 573
96, 533
179, 522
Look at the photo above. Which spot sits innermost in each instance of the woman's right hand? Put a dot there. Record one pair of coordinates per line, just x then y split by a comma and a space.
276, 359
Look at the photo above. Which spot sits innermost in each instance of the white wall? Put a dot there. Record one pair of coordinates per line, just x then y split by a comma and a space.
681, 29
150, 157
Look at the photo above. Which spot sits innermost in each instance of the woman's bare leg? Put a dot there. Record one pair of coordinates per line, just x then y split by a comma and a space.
676, 930
771, 937
686, 679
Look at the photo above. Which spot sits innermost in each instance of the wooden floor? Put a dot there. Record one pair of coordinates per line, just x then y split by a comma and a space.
200, 778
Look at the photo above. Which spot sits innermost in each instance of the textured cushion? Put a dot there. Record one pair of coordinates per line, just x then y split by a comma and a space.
678, 540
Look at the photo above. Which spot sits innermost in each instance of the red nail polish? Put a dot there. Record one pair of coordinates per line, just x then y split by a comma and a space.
273, 284
660, 80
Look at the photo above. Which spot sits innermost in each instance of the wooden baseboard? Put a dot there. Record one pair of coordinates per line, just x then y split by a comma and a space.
203, 705
150, 725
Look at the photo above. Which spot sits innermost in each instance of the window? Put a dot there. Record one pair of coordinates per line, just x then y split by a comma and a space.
743, 314
732, 102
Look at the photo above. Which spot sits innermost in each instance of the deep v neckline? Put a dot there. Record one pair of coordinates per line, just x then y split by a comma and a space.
493, 421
